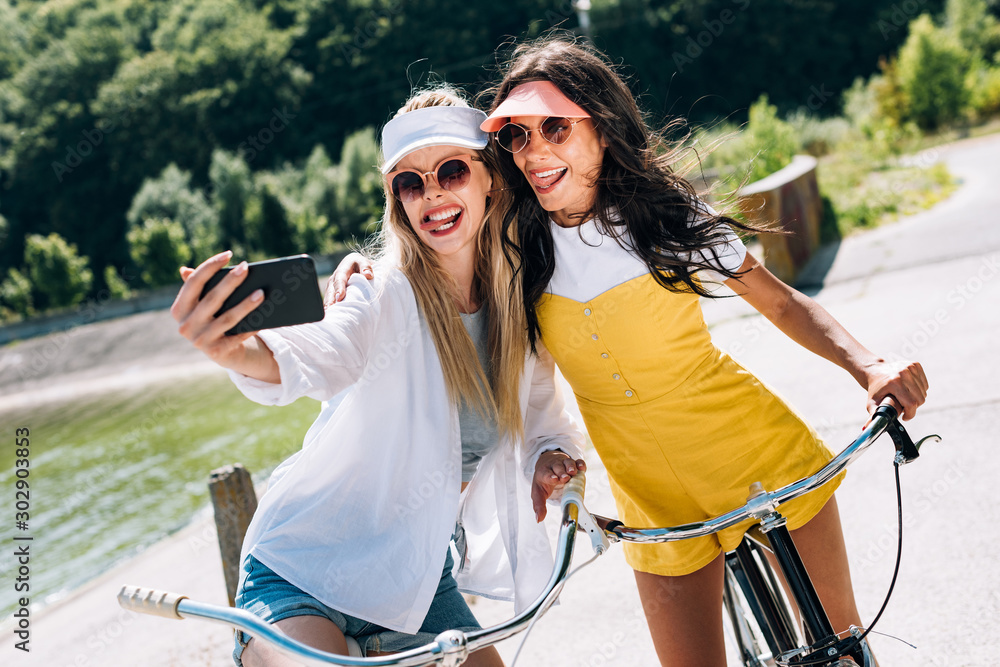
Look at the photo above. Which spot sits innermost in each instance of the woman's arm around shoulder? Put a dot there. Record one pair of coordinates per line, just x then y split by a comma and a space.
553, 444
809, 324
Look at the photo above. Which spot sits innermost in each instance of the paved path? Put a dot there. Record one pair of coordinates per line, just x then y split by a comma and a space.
927, 287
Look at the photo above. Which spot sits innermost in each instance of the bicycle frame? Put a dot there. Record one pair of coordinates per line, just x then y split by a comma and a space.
449, 649
762, 506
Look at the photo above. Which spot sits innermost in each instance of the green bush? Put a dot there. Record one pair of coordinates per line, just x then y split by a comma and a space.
117, 286
983, 84
59, 276
359, 189
170, 196
318, 222
231, 187
269, 233
972, 25
875, 111
818, 136
932, 67
158, 247
15, 296
765, 145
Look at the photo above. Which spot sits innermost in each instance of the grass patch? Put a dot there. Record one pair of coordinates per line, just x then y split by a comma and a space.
862, 195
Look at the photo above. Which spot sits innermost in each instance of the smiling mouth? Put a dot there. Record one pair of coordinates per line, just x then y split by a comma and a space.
544, 180
441, 221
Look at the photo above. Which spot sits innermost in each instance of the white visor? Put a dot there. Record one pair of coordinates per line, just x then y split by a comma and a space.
431, 126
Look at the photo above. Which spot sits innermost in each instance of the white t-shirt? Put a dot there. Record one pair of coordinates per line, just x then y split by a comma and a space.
588, 263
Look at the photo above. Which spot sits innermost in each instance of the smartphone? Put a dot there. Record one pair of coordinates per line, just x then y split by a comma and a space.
291, 293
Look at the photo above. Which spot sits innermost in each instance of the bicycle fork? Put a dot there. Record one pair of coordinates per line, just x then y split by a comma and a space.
819, 631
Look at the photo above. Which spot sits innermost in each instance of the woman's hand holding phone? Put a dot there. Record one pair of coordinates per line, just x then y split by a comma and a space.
242, 352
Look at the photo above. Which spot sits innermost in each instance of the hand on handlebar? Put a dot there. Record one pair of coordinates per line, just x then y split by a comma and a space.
336, 286
552, 470
904, 381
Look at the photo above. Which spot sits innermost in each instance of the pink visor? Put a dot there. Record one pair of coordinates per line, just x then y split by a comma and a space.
535, 98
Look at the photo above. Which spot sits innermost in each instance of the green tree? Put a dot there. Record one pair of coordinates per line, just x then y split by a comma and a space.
771, 141
158, 247
15, 294
765, 145
319, 192
59, 276
359, 191
232, 187
972, 25
171, 196
932, 67
117, 286
268, 230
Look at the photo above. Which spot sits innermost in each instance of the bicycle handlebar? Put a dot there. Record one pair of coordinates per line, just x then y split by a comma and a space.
761, 502
450, 648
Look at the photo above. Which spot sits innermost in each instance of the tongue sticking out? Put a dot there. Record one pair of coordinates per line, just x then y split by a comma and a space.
447, 223
550, 178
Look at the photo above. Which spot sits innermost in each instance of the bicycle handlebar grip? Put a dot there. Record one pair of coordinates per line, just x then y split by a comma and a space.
574, 489
893, 404
148, 601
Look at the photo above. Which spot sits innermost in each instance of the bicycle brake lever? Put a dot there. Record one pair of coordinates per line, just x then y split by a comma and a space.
598, 540
906, 451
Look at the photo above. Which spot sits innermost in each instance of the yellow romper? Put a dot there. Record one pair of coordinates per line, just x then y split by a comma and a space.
681, 427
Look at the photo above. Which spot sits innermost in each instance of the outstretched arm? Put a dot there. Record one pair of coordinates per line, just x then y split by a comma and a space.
811, 326
276, 367
243, 353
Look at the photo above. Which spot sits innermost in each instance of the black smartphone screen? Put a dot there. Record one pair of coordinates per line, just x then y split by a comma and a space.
291, 293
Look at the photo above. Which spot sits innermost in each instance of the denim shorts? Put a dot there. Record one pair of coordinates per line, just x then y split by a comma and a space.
265, 594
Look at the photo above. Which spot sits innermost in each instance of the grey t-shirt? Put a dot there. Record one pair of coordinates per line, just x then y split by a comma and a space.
478, 436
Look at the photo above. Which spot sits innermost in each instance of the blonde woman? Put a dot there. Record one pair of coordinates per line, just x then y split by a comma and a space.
433, 409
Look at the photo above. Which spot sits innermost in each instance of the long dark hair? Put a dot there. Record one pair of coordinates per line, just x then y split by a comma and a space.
659, 216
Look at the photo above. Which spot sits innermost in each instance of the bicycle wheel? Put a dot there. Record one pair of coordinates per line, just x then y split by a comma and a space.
746, 639
760, 618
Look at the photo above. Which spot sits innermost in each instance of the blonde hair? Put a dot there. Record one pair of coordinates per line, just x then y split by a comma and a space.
495, 391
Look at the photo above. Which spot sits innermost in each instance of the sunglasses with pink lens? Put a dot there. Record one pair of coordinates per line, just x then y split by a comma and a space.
555, 130
452, 174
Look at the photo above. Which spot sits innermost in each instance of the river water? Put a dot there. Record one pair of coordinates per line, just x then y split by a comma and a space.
112, 474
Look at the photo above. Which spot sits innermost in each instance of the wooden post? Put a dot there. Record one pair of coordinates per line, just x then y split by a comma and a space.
234, 502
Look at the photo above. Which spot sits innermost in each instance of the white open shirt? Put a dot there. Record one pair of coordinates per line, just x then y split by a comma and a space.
361, 517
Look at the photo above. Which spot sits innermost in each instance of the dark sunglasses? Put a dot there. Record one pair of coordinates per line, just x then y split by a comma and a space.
555, 130
452, 174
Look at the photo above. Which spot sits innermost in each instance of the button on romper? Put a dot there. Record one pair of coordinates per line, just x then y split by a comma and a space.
681, 427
